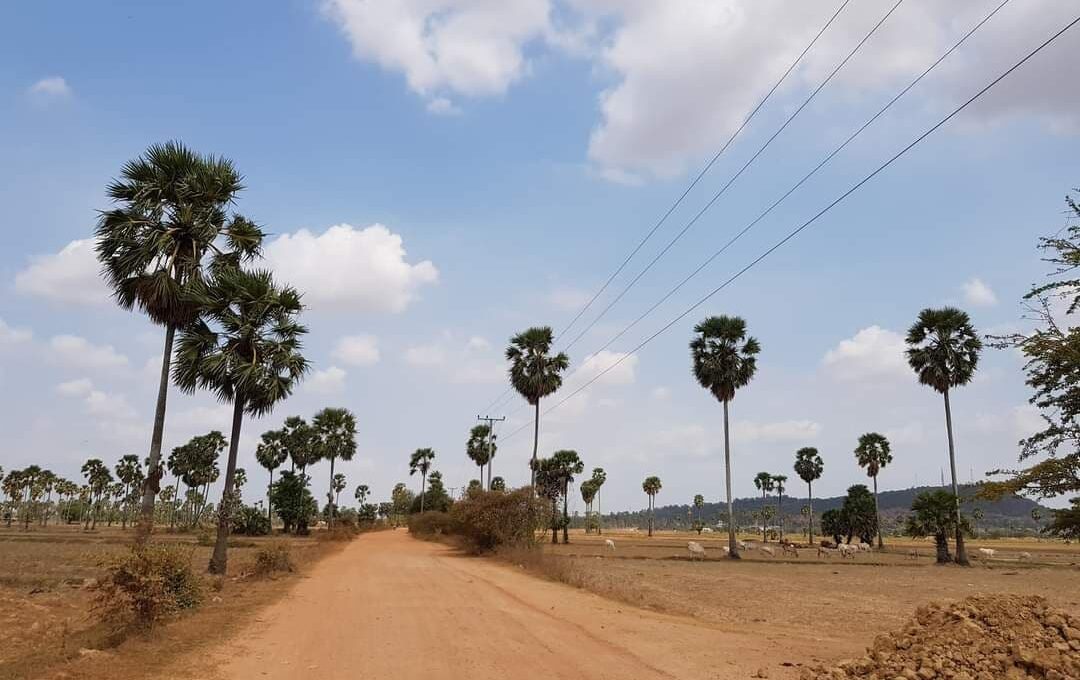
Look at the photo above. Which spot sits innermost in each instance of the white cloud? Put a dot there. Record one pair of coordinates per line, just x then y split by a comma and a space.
470, 47
96, 402
1027, 421
661, 393
202, 418
873, 352
443, 107
76, 351
978, 294
71, 275
425, 355
329, 381
10, 335
622, 374
689, 439
783, 431
478, 343
53, 87
345, 268
357, 350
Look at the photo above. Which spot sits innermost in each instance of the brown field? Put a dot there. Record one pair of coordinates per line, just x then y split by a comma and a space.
45, 624
837, 605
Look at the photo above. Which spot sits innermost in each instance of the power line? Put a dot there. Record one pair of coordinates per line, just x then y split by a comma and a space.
738, 174
795, 232
694, 183
808, 175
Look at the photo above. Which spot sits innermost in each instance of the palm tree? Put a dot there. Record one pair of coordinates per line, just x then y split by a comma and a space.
498, 484
128, 472
873, 453
598, 479
171, 212
566, 464
535, 374
300, 443
271, 454
779, 482
809, 466
943, 350
337, 485
420, 461
361, 493
933, 513
335, 429
764, 483
98, 478
724, 360
479, 449
29, 478
252, 360
588, 495
651, 486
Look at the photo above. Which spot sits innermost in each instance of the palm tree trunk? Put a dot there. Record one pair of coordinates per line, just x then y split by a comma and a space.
146, 516
961, 552
733, 546
565, 515
764, 502
269, 507
423, 485
219, 560
877, 517
780, 512
332, 510
489, 474
650, 516
536, 445
810, 493
599, 515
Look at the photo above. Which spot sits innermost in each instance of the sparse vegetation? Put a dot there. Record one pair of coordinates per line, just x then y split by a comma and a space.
146, 585
271, 559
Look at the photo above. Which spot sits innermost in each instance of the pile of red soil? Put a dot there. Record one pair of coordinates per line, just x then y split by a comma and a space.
984, 637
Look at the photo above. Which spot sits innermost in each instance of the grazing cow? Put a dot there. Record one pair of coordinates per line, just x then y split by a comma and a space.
706, 530
986, 553
822, 551
727, 551
913, 554
847, 550
789, 549
609, 544
1025, 557
696, 550
864, 547
827, 544
766, 550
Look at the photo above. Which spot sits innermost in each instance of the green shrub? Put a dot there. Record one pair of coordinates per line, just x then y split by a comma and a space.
431, 523
146, 585
250, 521
492, 519
273, 558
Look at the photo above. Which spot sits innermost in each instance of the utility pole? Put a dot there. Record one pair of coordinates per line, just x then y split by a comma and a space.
491, 444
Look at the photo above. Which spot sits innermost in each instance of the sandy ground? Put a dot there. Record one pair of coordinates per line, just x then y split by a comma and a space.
392, 606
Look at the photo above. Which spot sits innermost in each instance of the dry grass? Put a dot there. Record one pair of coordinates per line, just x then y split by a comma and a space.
45, 602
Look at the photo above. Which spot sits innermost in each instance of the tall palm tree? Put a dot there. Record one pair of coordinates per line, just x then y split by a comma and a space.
873, 452
598, 479
98, 479
588, 495
779, 483
565, 465
250, 358
335, 429
535, 374
764, 483
170, 223
337, 485
809, 467
361, 493
943, 350
271, 453
651, 486
724, 360
128, 472
479, 449
30, 475
300, 443
420, 461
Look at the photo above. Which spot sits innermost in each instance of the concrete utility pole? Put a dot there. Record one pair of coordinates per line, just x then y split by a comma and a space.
491, 444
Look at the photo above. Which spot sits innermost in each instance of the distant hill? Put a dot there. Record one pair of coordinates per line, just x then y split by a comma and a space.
1013, 513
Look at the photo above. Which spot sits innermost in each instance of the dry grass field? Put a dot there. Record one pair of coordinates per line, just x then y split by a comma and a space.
46, 629
836, 605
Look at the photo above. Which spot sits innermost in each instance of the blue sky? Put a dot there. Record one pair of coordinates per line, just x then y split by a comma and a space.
513, 153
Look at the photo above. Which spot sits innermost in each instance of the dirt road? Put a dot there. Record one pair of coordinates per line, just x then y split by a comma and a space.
390, 606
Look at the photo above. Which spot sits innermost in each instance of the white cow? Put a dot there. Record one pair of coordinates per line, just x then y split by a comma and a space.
1025, 557
609, 544
706, 530
740, 545
727, 551
864, 547
987, 553
696, 550
847, 550
766, 550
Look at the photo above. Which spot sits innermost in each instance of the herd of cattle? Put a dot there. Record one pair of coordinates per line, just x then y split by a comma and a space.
824, 549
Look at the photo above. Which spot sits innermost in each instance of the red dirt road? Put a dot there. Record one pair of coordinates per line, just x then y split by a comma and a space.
390, 606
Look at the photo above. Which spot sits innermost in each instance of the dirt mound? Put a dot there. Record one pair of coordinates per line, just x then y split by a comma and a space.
984, 637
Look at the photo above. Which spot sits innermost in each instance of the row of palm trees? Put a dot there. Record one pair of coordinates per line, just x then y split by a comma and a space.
942, 349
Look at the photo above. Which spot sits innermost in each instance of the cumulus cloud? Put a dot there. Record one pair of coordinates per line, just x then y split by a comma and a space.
53, 87
95, 402
443, 107
978, 294
459, 360
873, 352
70, 276
328, 381
469, 47
625, 373
202, 418
346, 268
782, 431
77, 351
10, 335
357, 350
